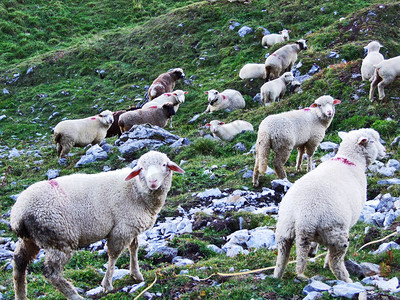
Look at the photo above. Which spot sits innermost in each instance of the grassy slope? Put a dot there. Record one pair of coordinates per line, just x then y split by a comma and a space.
116, 36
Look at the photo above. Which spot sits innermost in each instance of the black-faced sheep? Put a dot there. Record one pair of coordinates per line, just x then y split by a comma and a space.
73, 211
274, 90
81, 132
385, 73
165, 83
155, 115
228, 99
275, 38
325, 203
114, 129
283, 59
302, 129
227, 132
373, 58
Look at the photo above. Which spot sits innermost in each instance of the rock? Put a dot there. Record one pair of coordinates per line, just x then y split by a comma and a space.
95, 291
387, 171
354, 268
233, 250
348, 290
2, 117
316, 286
389, 286
233, 25
281, 185
120, 273
240, 147
14, 153
248, 174
328, 146
264, 30
390, 217
262, 237
245, 30
215, 248
370, 269
163, 250
314, 69
62, 161
333, 54
182, 262
214, 193
386, 246
133, 288
180, 143
257, 98
5, 91
313, 295
52, 173
392, 163
392, 181
192, 120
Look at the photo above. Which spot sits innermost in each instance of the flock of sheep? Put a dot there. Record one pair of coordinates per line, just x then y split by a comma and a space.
65, 213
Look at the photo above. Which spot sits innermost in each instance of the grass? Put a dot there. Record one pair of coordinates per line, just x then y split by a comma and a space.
51, 53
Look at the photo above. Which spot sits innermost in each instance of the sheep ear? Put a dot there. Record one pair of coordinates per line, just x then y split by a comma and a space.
289, 31
174, 167
135, 171
223, 97
208, 125
185, 92
362, 141
206, 92
314, 105
221, 123
280, 31
342, 134
336, 101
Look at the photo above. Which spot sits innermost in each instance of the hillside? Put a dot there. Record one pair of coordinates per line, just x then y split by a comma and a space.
72, 59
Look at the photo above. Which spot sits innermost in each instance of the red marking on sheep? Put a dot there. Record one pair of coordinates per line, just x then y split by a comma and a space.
344, 160
54, 184
93, 118
306, 109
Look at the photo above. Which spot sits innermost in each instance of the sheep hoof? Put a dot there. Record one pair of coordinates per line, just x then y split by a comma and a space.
137, 277
302, 277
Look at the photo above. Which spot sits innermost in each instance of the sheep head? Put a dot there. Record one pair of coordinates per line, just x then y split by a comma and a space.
287, 77
153, 168
177, 73
213, 96
285, 34
214, 125
374, 46
106, 117
325, 106
302, 44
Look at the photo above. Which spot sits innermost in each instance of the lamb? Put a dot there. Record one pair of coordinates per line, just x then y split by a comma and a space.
302, 129
275, 38
81, 132
283, 59
73, 211
165, 83
252, 71
114, 129
274, 90
227, 132
228, 99
155, 115
324, 204
385, 73
373, 58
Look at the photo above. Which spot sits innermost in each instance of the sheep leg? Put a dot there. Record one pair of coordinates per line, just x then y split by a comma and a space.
284, 247
313, 250
299, 160
374, 83
281, 157
134, 264
310, 149
53, 268
116, 244
25, 252
337, 250
303, 245
381, 86
261, 163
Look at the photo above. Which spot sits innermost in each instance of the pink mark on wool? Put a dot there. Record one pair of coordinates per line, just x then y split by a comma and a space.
54, 184
93, 118
223, 97
344, 160
306, 109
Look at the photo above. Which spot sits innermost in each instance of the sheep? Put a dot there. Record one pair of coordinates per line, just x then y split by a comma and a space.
73, 211
274, 90
155, 115
252, 71
81, 132
295, 87
228, 99
275, 38
385, 73
325, 203
227, 132
165, 83
302, 129
283, 59
114, 129
373, 57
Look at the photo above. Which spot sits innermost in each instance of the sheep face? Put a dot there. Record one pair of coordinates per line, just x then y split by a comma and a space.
180, 95
302, 44
288, 77
285, 34
106, 117
373, 47
153, 169
214, 125
178, 72
325, 106
213, 96
169, 109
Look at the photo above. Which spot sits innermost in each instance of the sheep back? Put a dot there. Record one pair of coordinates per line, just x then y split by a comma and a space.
228, 99
165, 83
228, 131
250, 71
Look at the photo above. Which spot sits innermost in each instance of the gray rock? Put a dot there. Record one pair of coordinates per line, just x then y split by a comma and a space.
52, 173
182, 262
163, 250
240, 147
262, 237
5, 91
245, 30
14, 153
62, 161
333, 54
106, 147
354, 268
95, 291
387, 171
194, 119
370, 269
316, 286
348, 290
389, 285
86, 159
257, 98
386, 246
392, 163
248, 174
392, 181
120, 273
239, 237
281, 185
390, 217
215, 248
2, 117
264, 30
328, 146
233, 250
180, 143
313, 296
233, 25
314, 69
214, 193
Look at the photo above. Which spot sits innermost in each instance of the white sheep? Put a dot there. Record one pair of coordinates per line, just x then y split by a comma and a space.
325, 203
283, 59
227, 132
385, 73
302, 129
73, 211
81, 132
252, 71
228, 99
373, 58
275, 38
274, 90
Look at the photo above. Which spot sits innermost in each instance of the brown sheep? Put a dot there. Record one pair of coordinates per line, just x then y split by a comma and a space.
165, 83
114, 129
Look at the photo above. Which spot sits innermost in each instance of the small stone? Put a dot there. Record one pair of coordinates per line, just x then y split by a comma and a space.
52, 173
245, 30
95, 291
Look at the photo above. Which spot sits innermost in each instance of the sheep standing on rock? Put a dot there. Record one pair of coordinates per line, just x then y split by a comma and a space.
114, 128
283, 59
227, 132
385, 73
302, 129
373, 58
73, 211
165, 83
324, 204
228, 99
275, 38
252, 71
155, 115
81, 132
274, 90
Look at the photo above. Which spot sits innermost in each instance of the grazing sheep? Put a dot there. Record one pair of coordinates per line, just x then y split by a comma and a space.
114, 129
302, 129
227, 132
73, 211
325, 203
295, 87
165, 83
252, 71
385, 73
81, 132
275, 38
283, 59
155, 115
373, 58
274, 90
228, 99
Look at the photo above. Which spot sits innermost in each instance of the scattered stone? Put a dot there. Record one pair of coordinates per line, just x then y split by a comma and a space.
386, 246
245, 30
392, 181
281, 185
348, 290
370, 269
257, 98
316, 286
240, 147
5, 91
233, 25
215, 248
52, 173
354, 268
214, 193
182, 262
328, 146
2, 117
133, 288
95, 291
